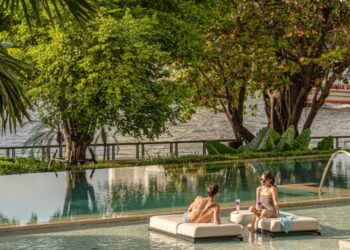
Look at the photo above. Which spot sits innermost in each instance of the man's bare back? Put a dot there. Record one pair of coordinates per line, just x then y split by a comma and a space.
203, 210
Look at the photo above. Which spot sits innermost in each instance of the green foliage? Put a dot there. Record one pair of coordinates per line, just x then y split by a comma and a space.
325, 143
20, 165
26, 165
113, 74
81, 10
13, 102
7, 159
310, 41
217, 148
302, 141
273, 140
268, 139
6, 164
261, 140
287, 139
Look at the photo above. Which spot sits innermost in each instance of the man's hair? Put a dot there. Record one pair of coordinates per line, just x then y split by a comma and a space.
213, 190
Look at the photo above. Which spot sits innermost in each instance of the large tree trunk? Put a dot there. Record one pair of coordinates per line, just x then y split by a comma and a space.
78, 147
240, 131
77, 143
285, 106
235, 116
286, 109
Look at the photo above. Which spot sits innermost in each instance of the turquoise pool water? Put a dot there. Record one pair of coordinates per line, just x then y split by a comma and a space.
335, 226
41, 198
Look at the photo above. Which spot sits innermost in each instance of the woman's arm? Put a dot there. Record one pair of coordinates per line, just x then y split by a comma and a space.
257, 196
274, 194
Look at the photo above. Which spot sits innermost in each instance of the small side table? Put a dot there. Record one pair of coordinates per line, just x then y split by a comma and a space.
244, 218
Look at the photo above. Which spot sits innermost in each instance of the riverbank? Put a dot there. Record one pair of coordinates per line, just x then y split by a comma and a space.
11, 166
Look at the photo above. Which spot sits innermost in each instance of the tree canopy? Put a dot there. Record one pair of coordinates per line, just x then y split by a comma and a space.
13, 101
113, 73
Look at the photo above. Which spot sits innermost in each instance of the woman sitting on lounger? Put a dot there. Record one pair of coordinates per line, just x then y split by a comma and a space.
202, 210
267, 195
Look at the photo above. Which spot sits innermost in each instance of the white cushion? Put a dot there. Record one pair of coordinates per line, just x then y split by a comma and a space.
166, 223
204, 230
300, 223
173, 224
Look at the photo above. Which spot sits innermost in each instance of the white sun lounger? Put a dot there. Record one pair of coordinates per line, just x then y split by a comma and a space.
301, 224
173, 225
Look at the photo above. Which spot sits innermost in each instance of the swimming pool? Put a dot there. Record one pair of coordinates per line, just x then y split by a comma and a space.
47, 197
335, 224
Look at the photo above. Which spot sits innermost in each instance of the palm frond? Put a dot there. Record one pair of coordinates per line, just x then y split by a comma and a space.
81, 10
13, 102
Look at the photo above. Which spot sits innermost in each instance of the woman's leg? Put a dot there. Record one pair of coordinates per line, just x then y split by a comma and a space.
268, 214
255, 219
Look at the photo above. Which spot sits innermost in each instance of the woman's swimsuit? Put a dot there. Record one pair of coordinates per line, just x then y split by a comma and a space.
267, 201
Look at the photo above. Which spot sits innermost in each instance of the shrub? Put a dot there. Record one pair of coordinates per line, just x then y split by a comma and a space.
217, 148
325, 144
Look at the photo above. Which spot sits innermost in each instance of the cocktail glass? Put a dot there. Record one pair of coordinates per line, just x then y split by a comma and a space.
259, 204
238, 204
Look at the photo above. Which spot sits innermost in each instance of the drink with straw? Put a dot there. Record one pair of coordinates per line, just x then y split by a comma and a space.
238, 204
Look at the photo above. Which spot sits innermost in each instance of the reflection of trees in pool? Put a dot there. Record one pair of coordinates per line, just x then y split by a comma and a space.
174, 186
338, 177
182, 184
305, 171
33, 219
4, 220
80, 196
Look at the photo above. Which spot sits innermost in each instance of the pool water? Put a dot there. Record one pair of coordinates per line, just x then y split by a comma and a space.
45, 197
335, 226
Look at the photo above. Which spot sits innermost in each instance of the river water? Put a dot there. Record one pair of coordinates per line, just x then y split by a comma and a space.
334, 120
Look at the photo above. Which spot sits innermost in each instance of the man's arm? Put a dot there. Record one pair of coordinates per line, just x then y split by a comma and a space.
217, 219
192, 204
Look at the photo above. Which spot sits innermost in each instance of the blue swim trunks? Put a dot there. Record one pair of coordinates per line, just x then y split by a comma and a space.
186, 217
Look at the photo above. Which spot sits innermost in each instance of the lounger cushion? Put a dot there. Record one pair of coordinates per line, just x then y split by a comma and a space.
173, 224
300, 224
166, 223
207, 230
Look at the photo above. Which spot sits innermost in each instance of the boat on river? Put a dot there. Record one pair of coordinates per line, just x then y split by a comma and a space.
339, 94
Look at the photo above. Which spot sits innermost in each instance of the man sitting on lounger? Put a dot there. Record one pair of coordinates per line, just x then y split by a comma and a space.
203, 210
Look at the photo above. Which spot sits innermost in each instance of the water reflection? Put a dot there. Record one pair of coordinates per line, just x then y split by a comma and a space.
80, 195
166, 187
4, 220
124, 190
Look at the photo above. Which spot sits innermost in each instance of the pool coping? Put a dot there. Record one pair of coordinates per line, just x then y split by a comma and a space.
142, 217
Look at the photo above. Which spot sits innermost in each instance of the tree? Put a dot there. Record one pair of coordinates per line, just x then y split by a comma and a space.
213, 44
312, 49
229, 70
13, 102
112, 74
